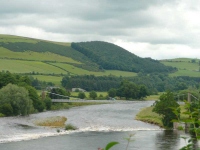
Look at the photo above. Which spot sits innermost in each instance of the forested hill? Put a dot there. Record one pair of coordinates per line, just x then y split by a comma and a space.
93, 56
112, 57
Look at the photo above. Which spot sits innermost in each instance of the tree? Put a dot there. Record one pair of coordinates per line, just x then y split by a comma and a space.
81, 95
16, 97
48, 103
93, 94
112, 92
35, 98
164, 107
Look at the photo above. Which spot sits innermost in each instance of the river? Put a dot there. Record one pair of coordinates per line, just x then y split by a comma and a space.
97, 125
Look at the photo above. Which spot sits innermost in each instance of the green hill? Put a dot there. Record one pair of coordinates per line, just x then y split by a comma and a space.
44, 59
112, 57
186, 66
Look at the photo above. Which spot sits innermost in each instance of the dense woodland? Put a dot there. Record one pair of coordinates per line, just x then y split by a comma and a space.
112, 57
154, 82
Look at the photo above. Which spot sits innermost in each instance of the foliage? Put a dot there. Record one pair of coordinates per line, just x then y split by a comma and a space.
14, 100
81, 95
129, 89
38, 104
93, 95
112, 92
164, 107
109, 146
91, 82
112, 57
193, 113
70, 127
56, 93
48, 103
2, 115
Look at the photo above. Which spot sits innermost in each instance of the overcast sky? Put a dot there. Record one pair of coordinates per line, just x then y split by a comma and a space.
160, 29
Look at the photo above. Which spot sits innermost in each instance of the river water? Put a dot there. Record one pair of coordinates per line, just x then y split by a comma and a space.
97, 125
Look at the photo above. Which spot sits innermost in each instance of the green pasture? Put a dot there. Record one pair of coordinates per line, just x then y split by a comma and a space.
11, 38
184, 66
47, 78
185, 73
19, 66
147, 115
181, 59
30, 55
79, 71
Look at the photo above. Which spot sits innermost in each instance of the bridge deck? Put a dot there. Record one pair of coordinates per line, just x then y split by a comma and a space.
87, 101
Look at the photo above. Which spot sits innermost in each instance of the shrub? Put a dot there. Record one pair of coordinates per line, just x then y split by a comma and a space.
70, 127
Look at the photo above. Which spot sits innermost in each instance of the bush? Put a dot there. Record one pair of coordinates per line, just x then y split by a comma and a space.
2, 115
70, 127
48, 103
81, 95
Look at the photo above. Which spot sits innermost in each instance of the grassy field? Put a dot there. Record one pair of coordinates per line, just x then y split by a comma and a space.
11, 38
185, 66
18, 66
79, 71
30, 55
54, 79
147, 115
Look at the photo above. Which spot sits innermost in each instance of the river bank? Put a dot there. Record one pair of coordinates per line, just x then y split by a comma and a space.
147, 115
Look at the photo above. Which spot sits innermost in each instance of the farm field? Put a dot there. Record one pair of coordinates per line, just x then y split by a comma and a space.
19, 66
30, 55
48, 78
185, 67
79, 71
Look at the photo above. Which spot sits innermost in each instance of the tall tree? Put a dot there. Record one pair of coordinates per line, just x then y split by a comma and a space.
17, 98
164, 107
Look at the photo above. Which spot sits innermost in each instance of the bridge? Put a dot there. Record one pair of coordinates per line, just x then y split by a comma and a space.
88, 101
66, 99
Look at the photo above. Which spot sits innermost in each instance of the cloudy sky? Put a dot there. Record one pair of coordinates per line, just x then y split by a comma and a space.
160, 29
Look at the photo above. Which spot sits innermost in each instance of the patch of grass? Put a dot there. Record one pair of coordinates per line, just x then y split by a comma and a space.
13, 39
30, 55
2, 115
19, 66
79, 71
185, 73
70, 127
147, 115
48, 78
57, 121
184, 65
152, 97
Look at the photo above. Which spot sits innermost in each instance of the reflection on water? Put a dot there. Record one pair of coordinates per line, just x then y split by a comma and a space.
168, 139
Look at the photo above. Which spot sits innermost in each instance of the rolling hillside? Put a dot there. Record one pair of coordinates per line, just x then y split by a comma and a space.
50, 61
112, 57
186, 66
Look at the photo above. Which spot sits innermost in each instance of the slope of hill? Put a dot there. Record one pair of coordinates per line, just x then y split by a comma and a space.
186, 66
110, 56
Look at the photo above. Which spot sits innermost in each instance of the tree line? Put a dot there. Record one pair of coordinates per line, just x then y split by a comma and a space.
156, 82
19, 97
